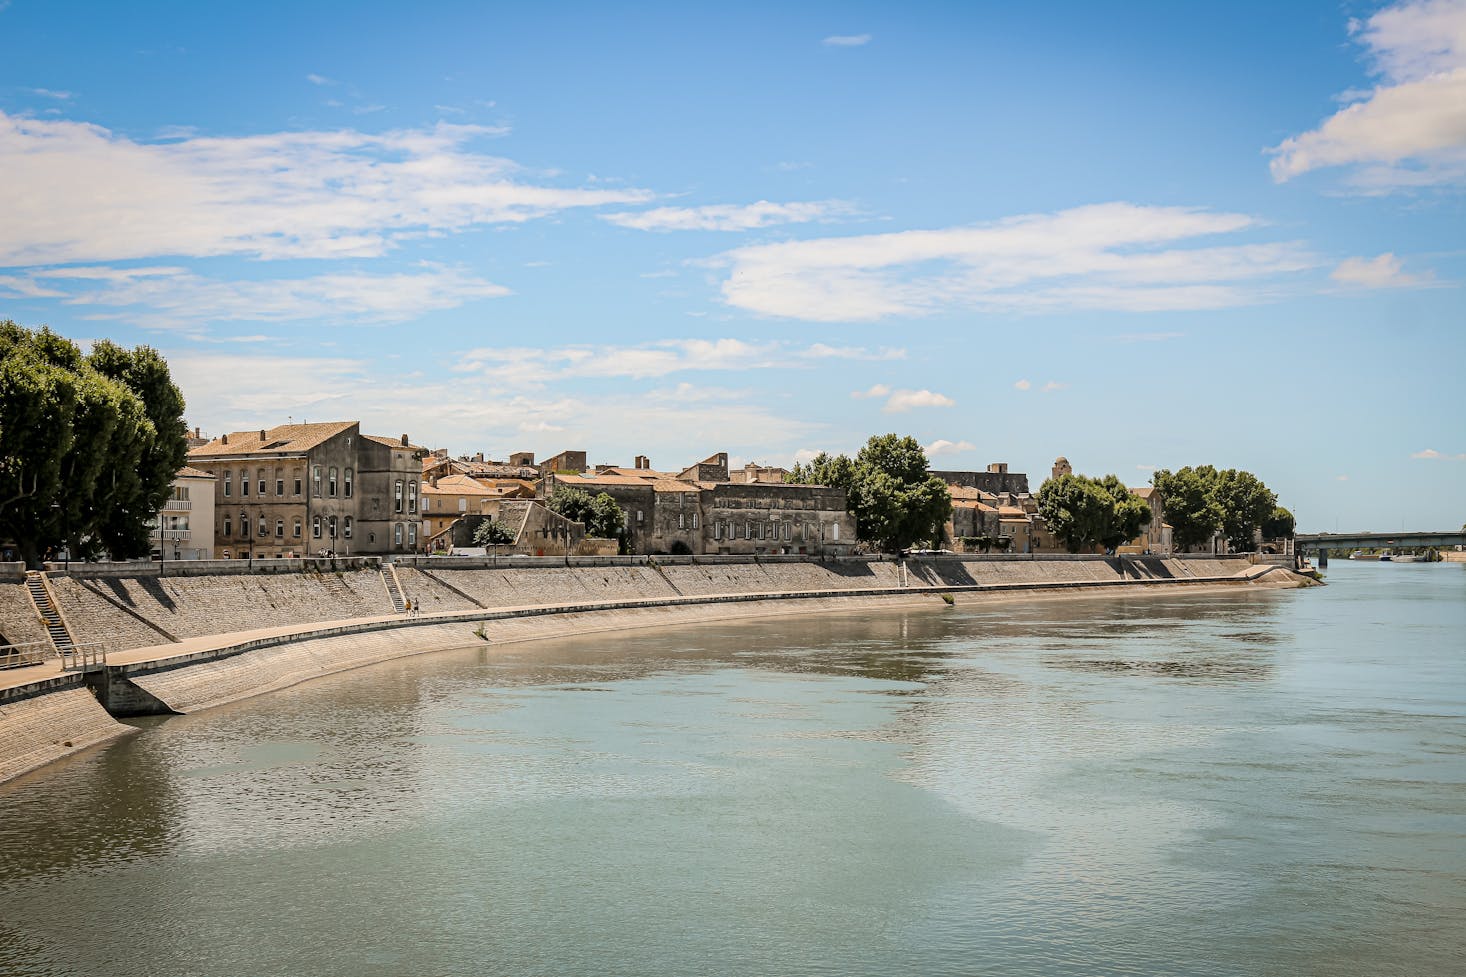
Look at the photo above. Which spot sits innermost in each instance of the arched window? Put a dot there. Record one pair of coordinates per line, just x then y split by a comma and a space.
260, 477
397, 498
412, 533
279, 528
348, 483
297, 474
243, 524
346, 527
279, 481
264, 525
316, 480
412, 496
295, 528
243, 482
228, 526
397, 532
228, 483
331, 526
331, 483
316, 527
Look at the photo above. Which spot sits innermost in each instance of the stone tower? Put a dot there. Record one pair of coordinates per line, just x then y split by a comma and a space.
1062, 467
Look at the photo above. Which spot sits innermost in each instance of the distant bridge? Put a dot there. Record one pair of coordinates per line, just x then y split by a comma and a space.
1323, 543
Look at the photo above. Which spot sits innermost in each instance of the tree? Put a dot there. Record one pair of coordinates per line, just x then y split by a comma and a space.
89, 445
836, 471
1082, 512
894, 499
600, 514
1191, 510
1246, 504
1279, 525
490, 532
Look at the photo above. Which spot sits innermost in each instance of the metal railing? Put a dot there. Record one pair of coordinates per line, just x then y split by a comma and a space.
85, 657
177, 504
28, 653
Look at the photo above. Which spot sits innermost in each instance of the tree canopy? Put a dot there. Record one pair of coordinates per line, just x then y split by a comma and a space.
89, 444
491, 532
600, 514
888, 489
1082, 512
1201, 500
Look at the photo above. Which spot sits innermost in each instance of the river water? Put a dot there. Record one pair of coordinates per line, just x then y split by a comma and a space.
1251, 782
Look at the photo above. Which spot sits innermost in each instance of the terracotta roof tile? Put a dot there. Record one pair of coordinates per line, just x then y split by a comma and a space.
281, 439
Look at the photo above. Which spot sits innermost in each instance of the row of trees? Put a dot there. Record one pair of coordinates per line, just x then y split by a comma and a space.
889, 490
89, 444
1202, 500
1083, 512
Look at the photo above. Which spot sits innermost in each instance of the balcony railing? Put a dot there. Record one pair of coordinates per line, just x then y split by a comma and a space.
178, 504
172, 534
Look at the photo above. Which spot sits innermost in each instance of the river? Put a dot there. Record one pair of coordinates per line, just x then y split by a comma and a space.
1250, 782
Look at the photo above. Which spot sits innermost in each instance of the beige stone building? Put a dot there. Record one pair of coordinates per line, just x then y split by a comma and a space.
184, 528
311, 489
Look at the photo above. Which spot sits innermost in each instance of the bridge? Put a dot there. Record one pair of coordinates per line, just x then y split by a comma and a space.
1323, 543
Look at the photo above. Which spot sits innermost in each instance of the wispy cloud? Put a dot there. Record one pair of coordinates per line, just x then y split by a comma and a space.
532, 366
730, 217
1051, 386
168, 297
1410, 130
75, 192
1022, 384
846, 40
60, 96
905, 400
878, 390
1430, 454
942, 446
321, 80
1382, 271
1116, 256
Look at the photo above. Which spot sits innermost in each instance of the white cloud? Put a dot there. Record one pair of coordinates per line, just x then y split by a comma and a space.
846, 40
1051, 386
1147, 468
1022, 385
905, 400
316, 79
1341, 478
730, 217
1430, 454
879, 390
1411, 129
1382, 271
60, 96
942, 446
819, 351
167, 297
533, 366
75, 192
1105, 256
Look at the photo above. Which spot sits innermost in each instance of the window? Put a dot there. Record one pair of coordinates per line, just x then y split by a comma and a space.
297, 481
228, 484
681, 521
228, 526
295, 528
462, 505
638, 515
279, 528
397, 532
773, 530
315, 527
346, 528
279, 481
835, 531
244, 483
411, 496
788, 531
397, 497
718, 529
264, 525
260, 477
348, 483
316, 480
331, 483
748, 530
694, 520
412, 533
243, 525
331, 526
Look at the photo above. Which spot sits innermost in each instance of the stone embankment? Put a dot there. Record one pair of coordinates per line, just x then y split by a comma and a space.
191, 640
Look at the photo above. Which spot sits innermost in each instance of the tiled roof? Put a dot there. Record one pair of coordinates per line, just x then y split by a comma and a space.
281, 439
1012, 512
456, 485
187, 472
1145, 492
393, 442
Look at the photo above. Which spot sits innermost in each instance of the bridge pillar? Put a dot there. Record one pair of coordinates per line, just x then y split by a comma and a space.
1323, 557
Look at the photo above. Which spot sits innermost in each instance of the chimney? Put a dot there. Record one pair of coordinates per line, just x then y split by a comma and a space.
223, 439
478, 456
643, 462
262, 434
196, 432
404, 440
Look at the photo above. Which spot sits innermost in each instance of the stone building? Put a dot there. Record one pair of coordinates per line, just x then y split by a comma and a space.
752, 472
184, 528
1156, 537
700, 511
448, 498
304, 489
997, 480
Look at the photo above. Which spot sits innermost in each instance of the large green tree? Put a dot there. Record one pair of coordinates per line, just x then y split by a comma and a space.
490, 532
1246, 504
89, 444
1083, 512
600, 514
1279, 525
1191, 510
889, 490
837, 471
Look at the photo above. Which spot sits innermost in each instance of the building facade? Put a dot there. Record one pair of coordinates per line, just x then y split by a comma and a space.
184, 528
312, 489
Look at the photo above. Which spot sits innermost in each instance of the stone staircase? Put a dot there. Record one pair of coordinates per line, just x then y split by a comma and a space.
394, 588
35, 582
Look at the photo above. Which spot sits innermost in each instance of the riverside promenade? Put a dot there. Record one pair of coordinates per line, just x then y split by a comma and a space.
47, 712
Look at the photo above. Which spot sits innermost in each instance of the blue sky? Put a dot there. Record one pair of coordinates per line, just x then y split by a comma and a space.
1153, 236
